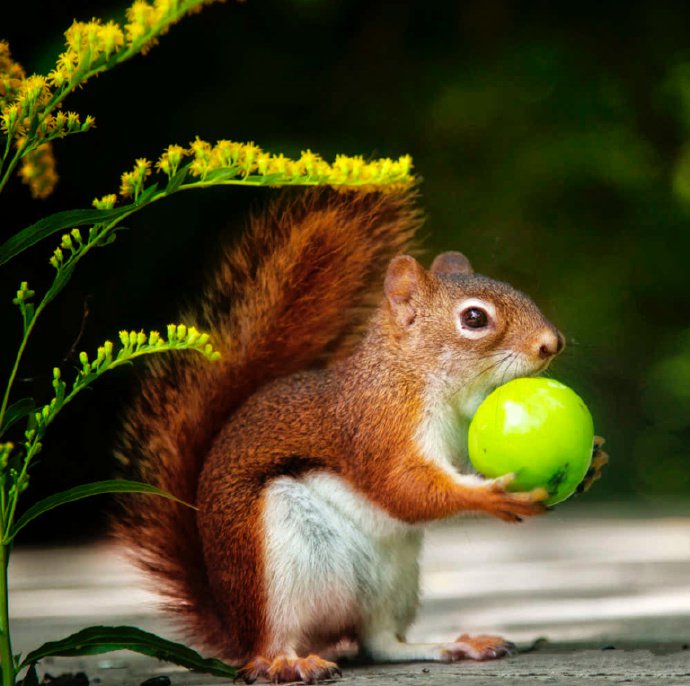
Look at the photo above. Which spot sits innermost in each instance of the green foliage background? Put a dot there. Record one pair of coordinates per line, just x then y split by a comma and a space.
553, 143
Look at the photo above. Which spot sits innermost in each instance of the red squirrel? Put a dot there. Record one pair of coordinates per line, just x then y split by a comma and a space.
320, 445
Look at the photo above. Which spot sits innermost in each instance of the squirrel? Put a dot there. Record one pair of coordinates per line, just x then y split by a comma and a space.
321, 443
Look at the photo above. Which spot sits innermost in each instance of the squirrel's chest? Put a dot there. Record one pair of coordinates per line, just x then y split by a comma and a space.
442, 438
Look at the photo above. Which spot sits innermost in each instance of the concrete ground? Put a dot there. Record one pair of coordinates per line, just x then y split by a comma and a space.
607, 589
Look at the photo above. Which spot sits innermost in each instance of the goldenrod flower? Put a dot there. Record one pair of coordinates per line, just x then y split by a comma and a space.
247, 163
112, 38
132, 183
65, 70
170, 160
226, 153
38, 171
32, 95
201, 151
11, 74
107, 202
142, 18
9, 120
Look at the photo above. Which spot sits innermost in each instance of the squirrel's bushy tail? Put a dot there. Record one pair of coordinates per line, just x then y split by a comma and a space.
288, 296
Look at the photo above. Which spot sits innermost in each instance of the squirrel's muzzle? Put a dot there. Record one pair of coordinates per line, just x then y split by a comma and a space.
549, 343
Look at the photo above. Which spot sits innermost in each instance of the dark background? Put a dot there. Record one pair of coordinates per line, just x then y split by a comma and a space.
552, 139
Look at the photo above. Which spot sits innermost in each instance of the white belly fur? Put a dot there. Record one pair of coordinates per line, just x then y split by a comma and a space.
334, 561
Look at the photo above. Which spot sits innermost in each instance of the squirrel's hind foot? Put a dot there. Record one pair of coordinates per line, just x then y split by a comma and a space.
284, 669
482, 647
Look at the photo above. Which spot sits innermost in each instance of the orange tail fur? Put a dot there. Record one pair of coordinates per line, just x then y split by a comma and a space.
291, 295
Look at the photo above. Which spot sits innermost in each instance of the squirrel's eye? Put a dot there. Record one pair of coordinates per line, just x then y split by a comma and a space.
474, 318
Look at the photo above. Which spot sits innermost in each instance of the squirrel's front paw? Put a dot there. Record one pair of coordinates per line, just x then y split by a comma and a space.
599, 459
511, 507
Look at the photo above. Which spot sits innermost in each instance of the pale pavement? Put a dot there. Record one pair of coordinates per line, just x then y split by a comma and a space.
608, 587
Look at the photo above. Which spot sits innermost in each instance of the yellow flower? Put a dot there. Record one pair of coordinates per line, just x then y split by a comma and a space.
296, 169
11, 75
93, 40
112, 38
143, 167
247, 162
170, 160
33, 93
262, 163
73, 121
74, 37
142, 18
249, 154
107, 202
310, 162
38, 171
127, 185
226, 153
202, 152
132, 182
9, 119
278, 164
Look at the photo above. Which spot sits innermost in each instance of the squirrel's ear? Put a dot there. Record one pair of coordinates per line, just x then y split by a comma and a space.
451, 263
403, 281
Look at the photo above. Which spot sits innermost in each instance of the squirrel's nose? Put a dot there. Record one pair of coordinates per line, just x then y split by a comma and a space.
550, 343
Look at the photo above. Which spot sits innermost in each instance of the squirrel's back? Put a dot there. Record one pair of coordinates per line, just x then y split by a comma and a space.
291, 295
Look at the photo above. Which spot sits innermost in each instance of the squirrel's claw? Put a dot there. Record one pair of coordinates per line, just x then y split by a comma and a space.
283, 669
253, 670
511, 507
599, 460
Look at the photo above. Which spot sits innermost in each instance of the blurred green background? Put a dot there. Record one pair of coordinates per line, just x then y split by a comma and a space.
554, 144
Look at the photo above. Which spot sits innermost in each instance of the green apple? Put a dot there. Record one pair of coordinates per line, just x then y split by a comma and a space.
538, 429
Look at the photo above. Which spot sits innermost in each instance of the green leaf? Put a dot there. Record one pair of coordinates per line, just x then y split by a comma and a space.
86, 491
59, 221
17, 411
146, 194
177, 180
103, 639
269, 179
218, 175
30, 678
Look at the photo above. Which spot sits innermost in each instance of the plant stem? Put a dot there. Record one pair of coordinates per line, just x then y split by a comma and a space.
6, 656
9, 170
17, 360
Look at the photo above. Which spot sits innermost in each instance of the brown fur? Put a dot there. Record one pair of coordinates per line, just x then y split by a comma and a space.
287, 297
